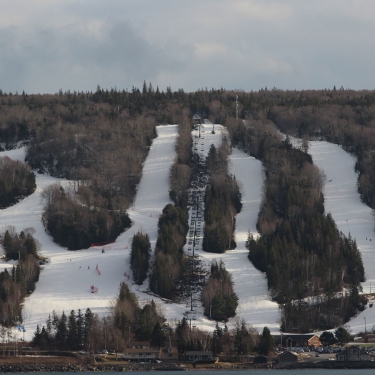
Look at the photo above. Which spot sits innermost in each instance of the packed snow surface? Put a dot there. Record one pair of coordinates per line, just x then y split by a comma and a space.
250, 285
353, 217
66, 279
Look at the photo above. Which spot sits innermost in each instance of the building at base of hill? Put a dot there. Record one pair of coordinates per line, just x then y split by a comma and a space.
353, 353
286, 357
286, 340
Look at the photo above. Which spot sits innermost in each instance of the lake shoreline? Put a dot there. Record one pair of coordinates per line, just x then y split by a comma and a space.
141, 367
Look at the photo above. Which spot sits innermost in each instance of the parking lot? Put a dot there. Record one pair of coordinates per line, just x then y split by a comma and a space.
310, 357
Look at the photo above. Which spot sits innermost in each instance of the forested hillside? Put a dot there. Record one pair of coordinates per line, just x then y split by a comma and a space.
94, 130
100, 140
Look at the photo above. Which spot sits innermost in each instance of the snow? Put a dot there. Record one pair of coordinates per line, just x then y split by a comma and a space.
352, 216
250, 284
65, 281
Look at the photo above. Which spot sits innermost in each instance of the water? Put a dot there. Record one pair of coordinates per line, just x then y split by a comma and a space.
231, 372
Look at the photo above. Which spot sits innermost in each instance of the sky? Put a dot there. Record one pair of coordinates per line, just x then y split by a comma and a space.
48, 45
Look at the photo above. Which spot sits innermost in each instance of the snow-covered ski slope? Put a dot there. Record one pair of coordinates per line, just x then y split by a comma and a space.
342, 200
250, 285
65, 282
255, 305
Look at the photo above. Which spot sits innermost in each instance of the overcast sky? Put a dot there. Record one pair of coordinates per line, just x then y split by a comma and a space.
47, 45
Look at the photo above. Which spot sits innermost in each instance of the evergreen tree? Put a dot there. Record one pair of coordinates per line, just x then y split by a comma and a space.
36, 337
61, 331
147, 320
88, 325
168, 265
44, 339
49, 324
139, 257
327, 338
266, 342
342, 335
7, 241
157, 336
80, 329
218, 298
72, 337
30, 245
243, 342
182, 335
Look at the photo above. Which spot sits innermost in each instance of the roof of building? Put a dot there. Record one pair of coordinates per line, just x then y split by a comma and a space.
198, 352
295, 337
299, 337
287, 354
141, 350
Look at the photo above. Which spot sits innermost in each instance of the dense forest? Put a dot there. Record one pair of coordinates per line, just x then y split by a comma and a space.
222, 203
76, 220
218, 297
16, 181
301, 250
100, 139
169, 264
80, 135
140, 257
21, 281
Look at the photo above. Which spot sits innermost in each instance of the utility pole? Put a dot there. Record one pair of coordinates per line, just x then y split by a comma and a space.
237, 109
17, 324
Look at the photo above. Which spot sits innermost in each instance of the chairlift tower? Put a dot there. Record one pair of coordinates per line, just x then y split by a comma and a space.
198, 122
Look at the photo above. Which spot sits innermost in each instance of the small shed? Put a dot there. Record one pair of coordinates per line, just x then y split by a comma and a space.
286, 357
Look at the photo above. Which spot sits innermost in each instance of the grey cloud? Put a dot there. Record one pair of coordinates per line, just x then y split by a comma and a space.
245, 44
46, 59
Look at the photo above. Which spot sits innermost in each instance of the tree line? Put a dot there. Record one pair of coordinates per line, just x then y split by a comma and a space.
127, 322
83, 135
88, 331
